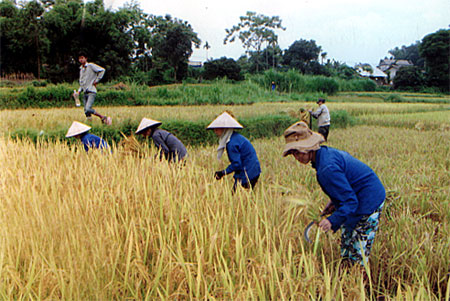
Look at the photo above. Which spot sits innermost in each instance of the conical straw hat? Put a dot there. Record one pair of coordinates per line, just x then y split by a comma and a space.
146, 123
77, 128
224, 121
299, 137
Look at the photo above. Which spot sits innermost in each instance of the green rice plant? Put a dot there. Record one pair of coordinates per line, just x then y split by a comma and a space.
394, 98
290, 86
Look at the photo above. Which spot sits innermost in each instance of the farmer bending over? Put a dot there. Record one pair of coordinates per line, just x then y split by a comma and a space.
169, 145
356, 194
80, 130
242, 155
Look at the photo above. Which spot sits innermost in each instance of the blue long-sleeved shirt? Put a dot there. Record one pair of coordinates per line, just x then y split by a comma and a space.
243, 159
352, 186
92, 141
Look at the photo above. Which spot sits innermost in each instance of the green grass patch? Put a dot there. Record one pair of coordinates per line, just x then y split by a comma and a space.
190, 132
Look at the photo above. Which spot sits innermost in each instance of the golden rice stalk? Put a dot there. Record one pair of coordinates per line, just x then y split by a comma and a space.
131, 146
302, 114
444, 127
420, 126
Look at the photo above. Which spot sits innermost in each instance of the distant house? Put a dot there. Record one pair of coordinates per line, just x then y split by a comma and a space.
376, 75
390, 66
195, 64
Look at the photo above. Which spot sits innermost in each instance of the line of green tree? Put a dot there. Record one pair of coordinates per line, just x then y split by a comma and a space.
431, 58
44, 37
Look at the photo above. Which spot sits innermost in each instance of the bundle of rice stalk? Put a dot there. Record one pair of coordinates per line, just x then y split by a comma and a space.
420, 126
131, 146
445, 127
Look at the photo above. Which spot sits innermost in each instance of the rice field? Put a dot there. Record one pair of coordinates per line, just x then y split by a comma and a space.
94, 226
420, 121
48, 119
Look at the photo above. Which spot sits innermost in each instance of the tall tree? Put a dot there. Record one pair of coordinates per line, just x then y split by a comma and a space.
323, 55
435, 49
341, 70
410, 53
104, 35
8, 23
139, 27
254, 30
301, 54
223, 67
23, 40
51, 33
207, 47
409, 78
266, 59
172, 42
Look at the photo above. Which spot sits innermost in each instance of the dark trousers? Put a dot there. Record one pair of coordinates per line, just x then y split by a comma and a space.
324, 130
247, 185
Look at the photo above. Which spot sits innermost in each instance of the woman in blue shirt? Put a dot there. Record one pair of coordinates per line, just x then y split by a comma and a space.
356, 193
244, 162
80, 130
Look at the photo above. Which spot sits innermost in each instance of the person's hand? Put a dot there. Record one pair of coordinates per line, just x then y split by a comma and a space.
325, 225
219, 174
95, 84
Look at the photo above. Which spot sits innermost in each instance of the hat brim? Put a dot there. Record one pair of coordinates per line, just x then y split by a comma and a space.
76, 134
147, 127
225, 127
77, 128
310, 144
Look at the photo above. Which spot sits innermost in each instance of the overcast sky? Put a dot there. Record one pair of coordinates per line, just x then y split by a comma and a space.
350, 31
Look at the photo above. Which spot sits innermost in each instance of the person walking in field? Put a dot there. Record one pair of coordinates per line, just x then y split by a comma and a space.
90, 75
356, 193
169, 145
323, 118
80, 131
244, 162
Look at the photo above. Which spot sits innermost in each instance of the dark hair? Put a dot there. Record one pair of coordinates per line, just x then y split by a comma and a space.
320, 100
82, 53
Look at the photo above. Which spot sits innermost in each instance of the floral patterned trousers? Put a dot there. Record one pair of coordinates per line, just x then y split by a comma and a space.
360, 239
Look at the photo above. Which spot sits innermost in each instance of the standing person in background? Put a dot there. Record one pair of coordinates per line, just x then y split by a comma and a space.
169, 145
90, 75
273, 86
243, 160
80, 131
355, 191
323, 118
